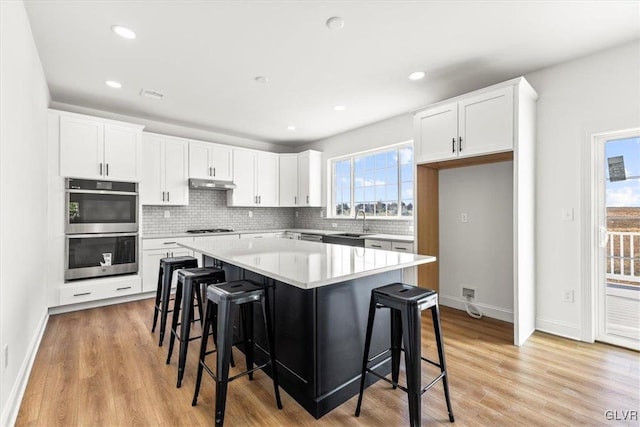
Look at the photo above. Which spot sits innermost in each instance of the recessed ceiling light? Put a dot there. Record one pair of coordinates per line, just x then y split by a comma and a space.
291, 128
417, 75
261, 79
123, 32
335, 23
339, 107
114, 84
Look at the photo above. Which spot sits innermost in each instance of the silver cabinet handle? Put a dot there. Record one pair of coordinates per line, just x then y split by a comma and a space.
82, 294
100, 168
376, 246
163, 196
107, 169
123, 288
453, 145
169, 243
459, 144
398, 248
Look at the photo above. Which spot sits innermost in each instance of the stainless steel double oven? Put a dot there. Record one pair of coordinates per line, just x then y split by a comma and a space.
101, 228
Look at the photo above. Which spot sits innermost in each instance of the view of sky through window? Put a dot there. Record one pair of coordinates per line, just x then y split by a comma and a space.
624, 193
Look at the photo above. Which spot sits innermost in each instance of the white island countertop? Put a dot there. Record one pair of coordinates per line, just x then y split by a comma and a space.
303, 264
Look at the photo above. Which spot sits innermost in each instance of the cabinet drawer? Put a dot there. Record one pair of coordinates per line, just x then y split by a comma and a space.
402, 247
168, 243
377, 244
99, 289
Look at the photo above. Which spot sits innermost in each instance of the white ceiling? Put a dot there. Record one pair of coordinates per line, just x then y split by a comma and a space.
204, 55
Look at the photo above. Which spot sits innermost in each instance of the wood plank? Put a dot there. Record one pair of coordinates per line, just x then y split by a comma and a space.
124, 380
427, 225
471, 161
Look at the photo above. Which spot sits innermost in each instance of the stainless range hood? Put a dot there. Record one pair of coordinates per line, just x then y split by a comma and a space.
211, 184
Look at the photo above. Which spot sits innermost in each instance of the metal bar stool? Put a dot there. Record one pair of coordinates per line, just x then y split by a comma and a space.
406, 303
187, 289
163, 290
227, 298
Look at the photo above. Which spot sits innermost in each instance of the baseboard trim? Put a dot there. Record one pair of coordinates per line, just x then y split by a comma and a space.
561, 329
487, 310
11, 409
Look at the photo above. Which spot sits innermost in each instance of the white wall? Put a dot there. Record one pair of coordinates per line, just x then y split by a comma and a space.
594, 94
485, 194
24, 98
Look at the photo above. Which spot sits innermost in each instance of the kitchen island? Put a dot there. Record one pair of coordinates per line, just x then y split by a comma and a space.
320, 298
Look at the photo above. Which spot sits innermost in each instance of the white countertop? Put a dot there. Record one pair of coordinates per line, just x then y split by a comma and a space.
303, 264
393, 237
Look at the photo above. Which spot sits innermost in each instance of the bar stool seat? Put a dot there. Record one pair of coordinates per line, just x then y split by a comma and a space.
406, 303
163, 290
228, 297
187, 290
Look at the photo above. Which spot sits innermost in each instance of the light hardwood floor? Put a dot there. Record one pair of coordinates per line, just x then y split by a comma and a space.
103, 367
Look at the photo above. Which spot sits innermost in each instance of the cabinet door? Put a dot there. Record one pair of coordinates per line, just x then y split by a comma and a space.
288, 177
244, 176
176, 167
121, 153
81, 148
267, 179
436, 130
151, 267
309, 182
152, 171
221, 163
199, 161
486, 123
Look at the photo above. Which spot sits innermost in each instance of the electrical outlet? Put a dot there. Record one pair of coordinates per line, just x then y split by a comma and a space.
321, 214
567, 214
567, 295
334, 224
6, 356
167, 214
468, 293
296, 214
464, 217
250, 214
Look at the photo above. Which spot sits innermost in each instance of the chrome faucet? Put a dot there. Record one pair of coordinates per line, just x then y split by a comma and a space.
364, 219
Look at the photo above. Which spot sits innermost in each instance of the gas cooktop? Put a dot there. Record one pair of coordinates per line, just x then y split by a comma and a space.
210, 230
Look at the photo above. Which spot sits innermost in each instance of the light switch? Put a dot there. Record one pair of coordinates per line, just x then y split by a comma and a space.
464, 217
567, 214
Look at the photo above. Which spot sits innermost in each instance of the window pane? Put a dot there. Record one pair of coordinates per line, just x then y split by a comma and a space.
381, 175
359, 164
392, 175
392, 193
369, 178
369, 194
406, 172
381, 161
381, 193
368, 162
407, 207
358, 195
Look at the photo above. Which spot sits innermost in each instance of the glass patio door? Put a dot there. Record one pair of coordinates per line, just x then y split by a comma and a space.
618, 294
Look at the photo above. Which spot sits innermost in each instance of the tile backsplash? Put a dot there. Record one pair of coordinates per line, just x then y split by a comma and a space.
208, 209
315, 218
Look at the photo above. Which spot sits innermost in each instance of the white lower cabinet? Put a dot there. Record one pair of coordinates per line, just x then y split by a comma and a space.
409, 275
153, 250
96, 289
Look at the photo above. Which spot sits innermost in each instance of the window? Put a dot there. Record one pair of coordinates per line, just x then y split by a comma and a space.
379, 182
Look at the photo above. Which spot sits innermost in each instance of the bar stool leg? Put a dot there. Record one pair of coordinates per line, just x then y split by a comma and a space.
166, 294
158, 299
198, 296
246, 315
185, 327
412, 359
226, 314
266, 313
435, 313
174, 320
203, 351
396, 344
367, 346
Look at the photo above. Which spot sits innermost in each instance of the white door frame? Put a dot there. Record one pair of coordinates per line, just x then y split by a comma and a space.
593, 174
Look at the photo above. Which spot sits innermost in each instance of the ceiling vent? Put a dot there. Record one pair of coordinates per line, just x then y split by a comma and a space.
146, 93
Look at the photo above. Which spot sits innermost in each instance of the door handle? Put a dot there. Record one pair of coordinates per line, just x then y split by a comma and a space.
460, 144
163, 196
214, 171
453, 145
100, 168
168, 196
295, 200
123, 288
209, 170
259, 199
107, 169
307, 199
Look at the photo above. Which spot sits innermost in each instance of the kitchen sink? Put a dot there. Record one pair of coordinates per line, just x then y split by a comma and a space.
353, 235
348, 239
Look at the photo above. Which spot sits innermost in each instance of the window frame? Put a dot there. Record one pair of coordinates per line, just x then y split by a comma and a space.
331, 168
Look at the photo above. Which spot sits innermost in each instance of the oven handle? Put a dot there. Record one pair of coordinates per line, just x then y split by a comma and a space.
122, 193
80, 236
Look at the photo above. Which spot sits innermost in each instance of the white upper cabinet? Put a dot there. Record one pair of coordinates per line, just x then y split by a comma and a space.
475, 124
288, 180
256, 179
96, 148
164, 170
309, 180
300, 182
210, 161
